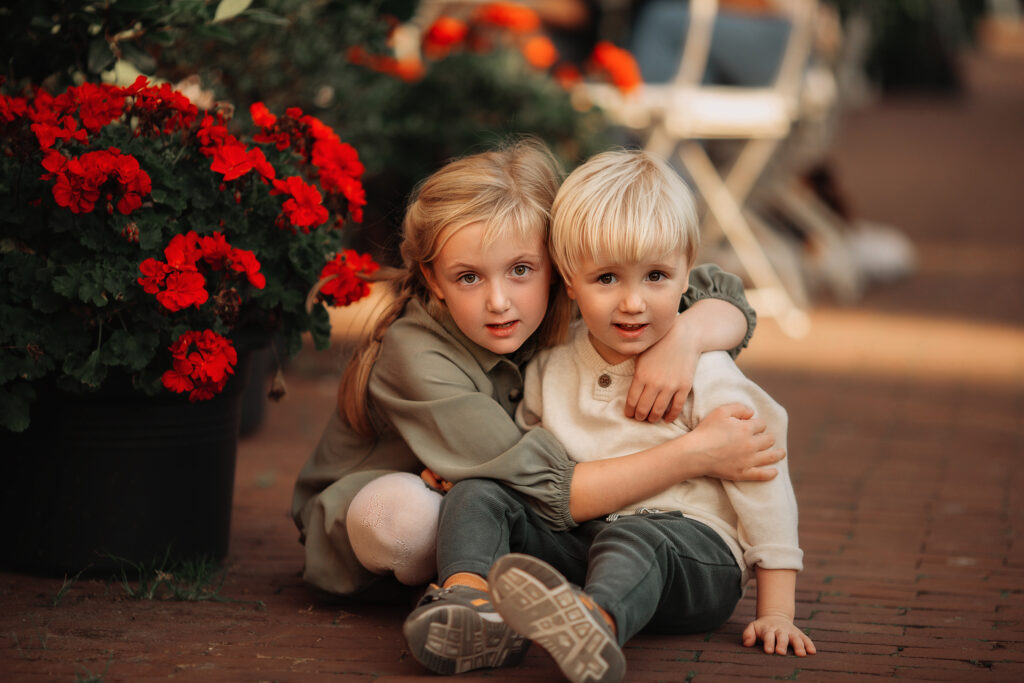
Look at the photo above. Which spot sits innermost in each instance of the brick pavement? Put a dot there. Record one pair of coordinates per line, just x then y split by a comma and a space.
907, 418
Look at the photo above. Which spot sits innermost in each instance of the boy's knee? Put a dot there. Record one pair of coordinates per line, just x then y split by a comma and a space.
474, 491
392, 527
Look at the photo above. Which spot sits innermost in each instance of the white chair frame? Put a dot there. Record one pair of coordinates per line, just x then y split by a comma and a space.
676, 116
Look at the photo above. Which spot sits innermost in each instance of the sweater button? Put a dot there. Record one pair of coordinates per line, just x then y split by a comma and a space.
604, 381
515, 394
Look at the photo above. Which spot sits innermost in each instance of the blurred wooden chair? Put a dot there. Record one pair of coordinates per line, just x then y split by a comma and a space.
677, 116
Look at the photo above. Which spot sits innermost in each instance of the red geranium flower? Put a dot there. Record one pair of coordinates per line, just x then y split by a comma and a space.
231, 160
345, 286
304, 208
245, 262
202, 362
184, 288
261, 116
183, 251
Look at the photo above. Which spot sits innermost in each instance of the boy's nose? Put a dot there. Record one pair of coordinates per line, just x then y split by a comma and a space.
632, 302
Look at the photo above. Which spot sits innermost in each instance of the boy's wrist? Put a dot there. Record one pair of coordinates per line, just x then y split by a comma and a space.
777, 613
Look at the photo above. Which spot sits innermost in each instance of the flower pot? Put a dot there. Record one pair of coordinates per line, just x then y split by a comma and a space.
115, 476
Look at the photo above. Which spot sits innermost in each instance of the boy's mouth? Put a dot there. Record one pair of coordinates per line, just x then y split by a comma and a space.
630, 330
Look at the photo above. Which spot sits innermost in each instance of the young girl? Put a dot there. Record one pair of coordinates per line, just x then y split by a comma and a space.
436, 385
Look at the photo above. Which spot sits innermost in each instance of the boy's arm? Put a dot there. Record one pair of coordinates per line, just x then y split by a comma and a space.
776, 607
715, 316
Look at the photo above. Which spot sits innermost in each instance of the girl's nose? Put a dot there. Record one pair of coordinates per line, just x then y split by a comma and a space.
497, 300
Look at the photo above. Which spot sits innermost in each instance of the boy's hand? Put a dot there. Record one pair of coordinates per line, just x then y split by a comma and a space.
778, 633
736, 445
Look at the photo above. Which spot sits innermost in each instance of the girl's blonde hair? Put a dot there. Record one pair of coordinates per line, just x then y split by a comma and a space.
510, 190
623, 205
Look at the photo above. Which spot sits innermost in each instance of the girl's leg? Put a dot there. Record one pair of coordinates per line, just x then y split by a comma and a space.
392, 526
664, 571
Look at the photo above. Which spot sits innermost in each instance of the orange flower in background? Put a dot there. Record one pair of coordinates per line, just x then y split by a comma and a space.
618, 64
514, 17
567, 75
443, 35
540, 52
407, 69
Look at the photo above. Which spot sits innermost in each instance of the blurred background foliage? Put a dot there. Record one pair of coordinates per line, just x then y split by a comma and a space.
296, 53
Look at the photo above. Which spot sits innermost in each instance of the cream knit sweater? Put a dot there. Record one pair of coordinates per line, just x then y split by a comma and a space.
573, 393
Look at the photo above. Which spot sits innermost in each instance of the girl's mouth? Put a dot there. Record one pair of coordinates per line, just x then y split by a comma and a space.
503, 329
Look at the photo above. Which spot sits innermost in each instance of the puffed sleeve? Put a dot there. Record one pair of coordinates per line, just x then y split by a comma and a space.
708, 281
441, 402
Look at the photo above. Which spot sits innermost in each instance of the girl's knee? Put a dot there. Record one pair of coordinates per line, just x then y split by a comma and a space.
392, 527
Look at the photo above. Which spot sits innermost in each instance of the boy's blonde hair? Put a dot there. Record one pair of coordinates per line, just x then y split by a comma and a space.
510, 189
625, 206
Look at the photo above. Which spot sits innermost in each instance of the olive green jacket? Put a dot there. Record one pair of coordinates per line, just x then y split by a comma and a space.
445, 403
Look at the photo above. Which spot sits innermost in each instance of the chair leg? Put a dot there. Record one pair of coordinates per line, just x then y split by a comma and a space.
825, 229
775, 300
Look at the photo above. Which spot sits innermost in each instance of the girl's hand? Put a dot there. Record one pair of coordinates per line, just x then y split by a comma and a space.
664, 372
736, 445
664, 376
778, 633
435, 482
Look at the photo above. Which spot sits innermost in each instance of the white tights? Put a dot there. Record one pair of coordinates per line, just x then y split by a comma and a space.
392, 526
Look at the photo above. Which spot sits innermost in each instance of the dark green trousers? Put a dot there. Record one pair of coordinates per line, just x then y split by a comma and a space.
657, 571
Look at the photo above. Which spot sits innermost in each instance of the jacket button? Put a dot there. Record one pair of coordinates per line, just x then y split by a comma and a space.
604, 381
515, 394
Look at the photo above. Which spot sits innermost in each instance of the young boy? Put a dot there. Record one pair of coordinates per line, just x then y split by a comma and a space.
624, 236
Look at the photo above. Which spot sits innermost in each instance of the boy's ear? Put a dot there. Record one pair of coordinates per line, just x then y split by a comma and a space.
428, 275
569, 290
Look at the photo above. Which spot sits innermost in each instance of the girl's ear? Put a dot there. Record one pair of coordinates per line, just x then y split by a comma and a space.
428, 275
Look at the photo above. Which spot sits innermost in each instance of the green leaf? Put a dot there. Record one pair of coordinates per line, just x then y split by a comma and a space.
230, 8
15, 400
215, 32
89, 372
264, 17
139, 59
133, 350
92, 292
100, 56
175, 200
135, 5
